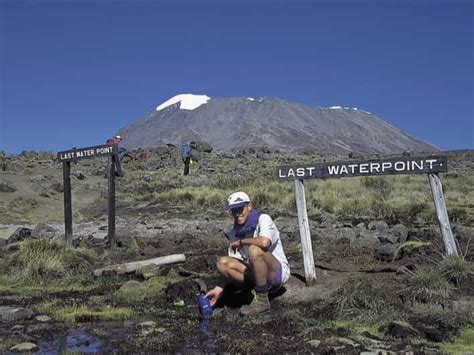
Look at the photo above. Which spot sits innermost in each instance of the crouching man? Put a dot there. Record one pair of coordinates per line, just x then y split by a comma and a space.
255, 256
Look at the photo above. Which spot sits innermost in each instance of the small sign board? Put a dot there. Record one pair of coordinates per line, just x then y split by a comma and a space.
65, 157
402, 165
87, 153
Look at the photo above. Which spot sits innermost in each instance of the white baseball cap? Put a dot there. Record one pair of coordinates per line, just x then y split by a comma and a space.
237, 200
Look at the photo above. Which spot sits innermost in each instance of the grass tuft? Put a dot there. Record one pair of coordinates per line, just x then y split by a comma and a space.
82, 313
463, 344
359, 299
429, 285
410, 247
41, 260
456, 268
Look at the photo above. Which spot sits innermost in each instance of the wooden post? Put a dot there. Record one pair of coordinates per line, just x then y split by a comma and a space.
305, 235
111, 202
67, 204
442, 213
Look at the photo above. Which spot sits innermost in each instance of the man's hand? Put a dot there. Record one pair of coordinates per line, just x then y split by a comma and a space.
235, 245
214, 294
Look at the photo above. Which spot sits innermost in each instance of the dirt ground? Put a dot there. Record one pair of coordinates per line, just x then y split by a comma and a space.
302, 319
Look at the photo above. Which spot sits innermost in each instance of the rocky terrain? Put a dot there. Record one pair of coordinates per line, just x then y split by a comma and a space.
365, 298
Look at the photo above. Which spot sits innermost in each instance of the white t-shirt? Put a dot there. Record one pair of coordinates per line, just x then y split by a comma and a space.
266, 228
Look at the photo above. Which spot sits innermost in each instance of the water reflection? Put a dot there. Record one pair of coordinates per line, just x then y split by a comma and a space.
76, 341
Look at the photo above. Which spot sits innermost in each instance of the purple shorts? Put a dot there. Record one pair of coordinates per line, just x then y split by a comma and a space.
275, 286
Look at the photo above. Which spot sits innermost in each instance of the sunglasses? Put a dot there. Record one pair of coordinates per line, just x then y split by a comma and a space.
236, 211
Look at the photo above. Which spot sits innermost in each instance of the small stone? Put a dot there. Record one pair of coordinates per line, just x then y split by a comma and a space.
147, 328
24, 347
378, 225
80, 175
43, 318
314, 343
148, 324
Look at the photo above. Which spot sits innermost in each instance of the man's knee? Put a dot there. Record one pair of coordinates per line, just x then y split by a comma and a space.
255, 253
222, 264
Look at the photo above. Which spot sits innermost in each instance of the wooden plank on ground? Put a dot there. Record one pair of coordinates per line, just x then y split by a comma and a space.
135, 265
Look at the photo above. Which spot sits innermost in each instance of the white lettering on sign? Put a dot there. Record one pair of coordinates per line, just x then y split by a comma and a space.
374, 167
431, 161
401, 165
69, 155
364, 168
296, 172
104, 150
85, 153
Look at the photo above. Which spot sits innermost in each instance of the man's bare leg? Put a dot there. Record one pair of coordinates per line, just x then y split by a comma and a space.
263, 265
231, 268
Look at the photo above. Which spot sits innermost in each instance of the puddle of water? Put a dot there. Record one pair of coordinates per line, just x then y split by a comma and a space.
76, 341
203, 324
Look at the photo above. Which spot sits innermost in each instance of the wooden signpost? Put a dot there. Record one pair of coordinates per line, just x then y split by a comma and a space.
430, 165
87, 153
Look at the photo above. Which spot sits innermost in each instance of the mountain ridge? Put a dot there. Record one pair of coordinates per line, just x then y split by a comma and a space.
236, 123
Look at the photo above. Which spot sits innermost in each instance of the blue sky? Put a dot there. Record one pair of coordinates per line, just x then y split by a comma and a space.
73, 72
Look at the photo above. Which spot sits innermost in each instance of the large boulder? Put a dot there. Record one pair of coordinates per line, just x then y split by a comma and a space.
14, 314
400, 232
19, 234
6, 186
400, 329
201, 146
43, 230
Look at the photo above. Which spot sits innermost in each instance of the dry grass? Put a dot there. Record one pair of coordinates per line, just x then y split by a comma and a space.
429, 285
358, 299
456, 268
41, 260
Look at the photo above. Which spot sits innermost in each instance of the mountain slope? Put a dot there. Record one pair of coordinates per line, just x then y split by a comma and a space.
239, 123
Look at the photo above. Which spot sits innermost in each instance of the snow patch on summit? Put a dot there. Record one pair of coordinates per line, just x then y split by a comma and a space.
187, 101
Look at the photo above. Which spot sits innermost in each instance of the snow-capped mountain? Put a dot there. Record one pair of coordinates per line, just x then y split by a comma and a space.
242, 122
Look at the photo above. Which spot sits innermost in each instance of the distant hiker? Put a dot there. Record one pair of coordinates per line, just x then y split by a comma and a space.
118, 167
186, 156
143, 155
256, 259
116, 140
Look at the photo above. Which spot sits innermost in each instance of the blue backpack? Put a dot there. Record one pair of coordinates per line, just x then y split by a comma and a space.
186, 151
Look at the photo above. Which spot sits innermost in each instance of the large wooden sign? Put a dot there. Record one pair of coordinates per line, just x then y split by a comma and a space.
403, 165
430, 165
66, 157
88, 152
